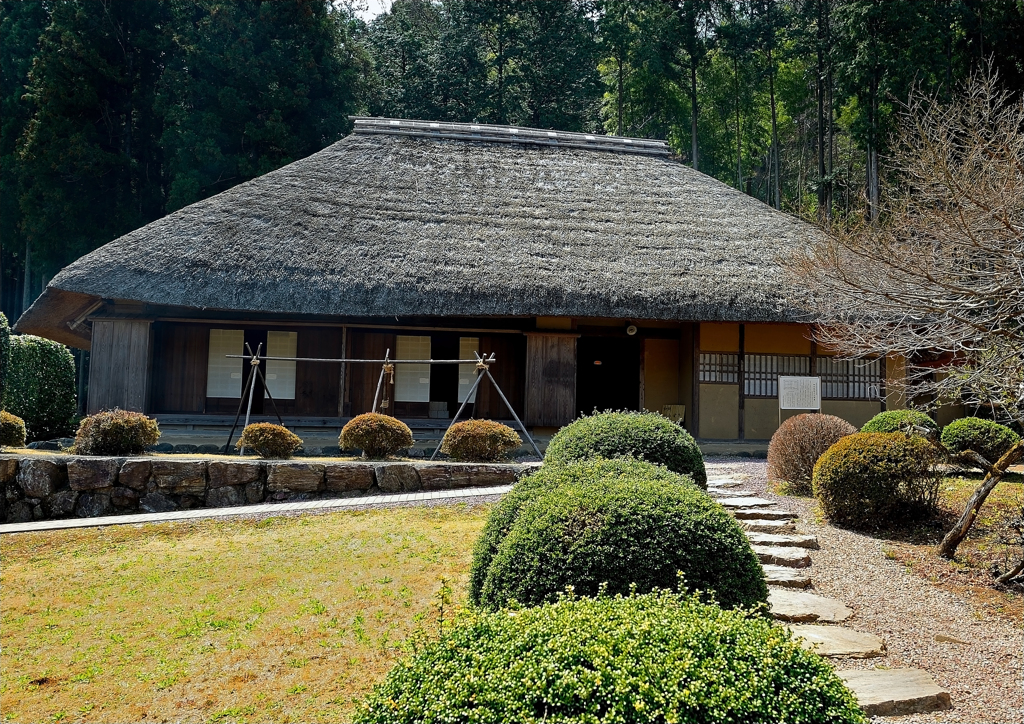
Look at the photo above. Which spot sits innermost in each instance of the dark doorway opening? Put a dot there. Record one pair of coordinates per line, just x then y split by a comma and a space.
607, 374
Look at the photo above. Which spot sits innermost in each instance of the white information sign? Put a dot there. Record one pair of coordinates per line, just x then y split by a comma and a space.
799, 393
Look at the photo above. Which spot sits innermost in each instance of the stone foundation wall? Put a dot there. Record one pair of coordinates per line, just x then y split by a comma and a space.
40, 487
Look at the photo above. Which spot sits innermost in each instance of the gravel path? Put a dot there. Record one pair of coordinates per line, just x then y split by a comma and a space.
983, 674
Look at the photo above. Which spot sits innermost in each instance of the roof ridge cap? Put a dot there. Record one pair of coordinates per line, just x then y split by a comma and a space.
487, 132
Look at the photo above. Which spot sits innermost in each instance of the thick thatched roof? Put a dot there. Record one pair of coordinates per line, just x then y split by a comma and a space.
405, 218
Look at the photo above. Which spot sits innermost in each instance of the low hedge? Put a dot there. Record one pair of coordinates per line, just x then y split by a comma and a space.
5, 354
644, 435
116, 432
867, 479
269, 441
480, 441
12, 430
41, 386
659, 657
619, 524
898, 421
985, 437
378, 436
798, 443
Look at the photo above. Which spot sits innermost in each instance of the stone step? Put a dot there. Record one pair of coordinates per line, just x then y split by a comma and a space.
768, 526
782, 556
747, 502
785, 576
724, 482
836, 641
801, 607
794, 540
761, 514
894, 692
730, 493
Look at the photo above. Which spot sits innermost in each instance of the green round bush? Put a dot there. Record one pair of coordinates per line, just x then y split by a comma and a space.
40, 386
898, 421
644, 435
621, 527
115, 432
659, 657
12, 430
871, 478
985, 437
504, 514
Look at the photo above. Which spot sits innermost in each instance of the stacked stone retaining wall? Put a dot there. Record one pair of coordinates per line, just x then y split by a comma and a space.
39, 487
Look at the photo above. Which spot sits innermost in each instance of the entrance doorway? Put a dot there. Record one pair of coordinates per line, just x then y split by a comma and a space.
607, 374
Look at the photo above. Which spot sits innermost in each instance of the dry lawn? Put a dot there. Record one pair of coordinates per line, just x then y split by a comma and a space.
990, 546
282, 619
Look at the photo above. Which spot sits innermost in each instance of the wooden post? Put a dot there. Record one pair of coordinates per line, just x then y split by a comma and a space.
695, 402
739, 376
343, 379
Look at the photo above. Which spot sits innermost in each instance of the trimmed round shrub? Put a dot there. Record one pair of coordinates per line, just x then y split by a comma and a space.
659, 657
644, 435
898, 421
269, 441
798, 443
378, 436
480, 441
116, 432
12, 430
41, 387
621, 526
985, 437
870, 478
504, 514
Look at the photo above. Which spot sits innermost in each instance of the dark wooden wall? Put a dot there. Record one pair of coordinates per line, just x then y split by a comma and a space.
550, 379
120, 363
509, 370
317, 384
363, 377
180, 357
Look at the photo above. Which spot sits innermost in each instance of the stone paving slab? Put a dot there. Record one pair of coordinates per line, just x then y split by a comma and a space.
262, 509
762, 514
835, 641
756, 525
747, 502
783, 556
894, 692
801, 607
794, 540
730, 493
785, 576
724, 482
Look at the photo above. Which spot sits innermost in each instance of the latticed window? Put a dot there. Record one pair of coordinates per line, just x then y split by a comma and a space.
761, 372
716, 367
845, 379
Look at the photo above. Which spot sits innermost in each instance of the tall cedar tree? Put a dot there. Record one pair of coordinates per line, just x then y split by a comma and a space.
251, 87
90, 156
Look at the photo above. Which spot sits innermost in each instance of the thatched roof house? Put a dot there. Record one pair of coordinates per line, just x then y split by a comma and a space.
444, 227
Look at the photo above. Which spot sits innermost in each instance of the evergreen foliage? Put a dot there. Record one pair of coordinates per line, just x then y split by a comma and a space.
645, 435
898, 421
378, 436
985, 437
41, 386
619, 524
659, 657
872, 478
5, 354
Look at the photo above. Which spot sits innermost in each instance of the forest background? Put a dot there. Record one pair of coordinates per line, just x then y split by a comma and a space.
116, 112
